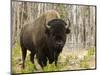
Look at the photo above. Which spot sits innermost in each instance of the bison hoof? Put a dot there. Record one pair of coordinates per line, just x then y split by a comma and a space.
32, 61
22, 65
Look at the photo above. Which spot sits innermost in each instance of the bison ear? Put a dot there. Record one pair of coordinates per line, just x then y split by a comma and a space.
67, 30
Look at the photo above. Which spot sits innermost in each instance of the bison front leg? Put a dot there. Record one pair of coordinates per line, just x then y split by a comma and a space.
32, 56
42, 60
56, 59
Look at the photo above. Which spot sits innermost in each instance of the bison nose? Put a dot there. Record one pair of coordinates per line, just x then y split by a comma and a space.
59, 44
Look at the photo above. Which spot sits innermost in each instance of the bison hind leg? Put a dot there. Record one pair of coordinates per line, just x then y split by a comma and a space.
24, 52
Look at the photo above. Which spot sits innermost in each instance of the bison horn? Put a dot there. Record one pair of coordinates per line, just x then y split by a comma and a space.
48, 26
68, 24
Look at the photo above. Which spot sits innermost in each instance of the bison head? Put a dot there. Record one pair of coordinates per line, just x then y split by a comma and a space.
56, 31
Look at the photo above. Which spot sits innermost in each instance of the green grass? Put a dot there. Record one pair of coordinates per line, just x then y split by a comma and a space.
50, 67
84, 63
29, 67
16, 61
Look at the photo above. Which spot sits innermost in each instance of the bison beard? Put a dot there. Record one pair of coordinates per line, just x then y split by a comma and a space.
45, 37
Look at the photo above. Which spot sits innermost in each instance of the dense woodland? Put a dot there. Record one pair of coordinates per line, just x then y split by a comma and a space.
82, 18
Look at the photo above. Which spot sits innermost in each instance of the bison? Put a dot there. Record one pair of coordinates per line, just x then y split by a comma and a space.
45, 37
